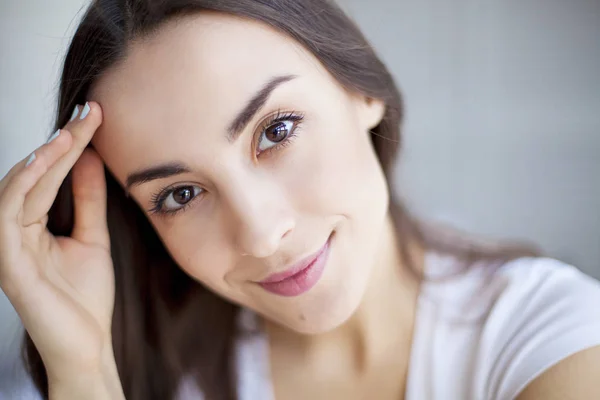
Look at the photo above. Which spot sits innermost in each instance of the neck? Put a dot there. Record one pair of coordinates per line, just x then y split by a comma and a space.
380, 330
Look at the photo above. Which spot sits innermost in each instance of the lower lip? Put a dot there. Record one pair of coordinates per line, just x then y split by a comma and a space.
304, 280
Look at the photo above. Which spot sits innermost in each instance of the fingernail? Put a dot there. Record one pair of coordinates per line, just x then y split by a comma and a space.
75, 112
85, 111
54, 136
30, 160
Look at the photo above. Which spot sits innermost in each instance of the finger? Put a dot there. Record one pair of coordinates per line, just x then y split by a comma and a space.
89, 194
26, 174
42, 195
12, 172
19, 166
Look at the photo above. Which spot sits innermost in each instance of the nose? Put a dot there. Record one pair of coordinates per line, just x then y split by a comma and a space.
262, 217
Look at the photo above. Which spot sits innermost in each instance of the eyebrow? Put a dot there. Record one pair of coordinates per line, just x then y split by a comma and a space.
233, 132
157, 172
254, 105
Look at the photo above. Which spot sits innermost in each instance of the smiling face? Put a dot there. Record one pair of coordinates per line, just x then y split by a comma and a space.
249, 159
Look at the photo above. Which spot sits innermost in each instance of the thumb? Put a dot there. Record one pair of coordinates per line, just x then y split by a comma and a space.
89, 195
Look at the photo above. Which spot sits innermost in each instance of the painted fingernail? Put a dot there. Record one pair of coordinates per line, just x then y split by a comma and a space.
85, 111
30, 160
75, 113
54, 136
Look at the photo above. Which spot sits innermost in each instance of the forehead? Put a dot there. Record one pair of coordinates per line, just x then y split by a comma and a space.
210, 49
194, 75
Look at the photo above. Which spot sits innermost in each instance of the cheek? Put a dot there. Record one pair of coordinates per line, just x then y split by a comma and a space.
194, 251
336, 171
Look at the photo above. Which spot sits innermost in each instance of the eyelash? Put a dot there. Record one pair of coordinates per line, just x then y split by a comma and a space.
278, 117
161, 195
157, 200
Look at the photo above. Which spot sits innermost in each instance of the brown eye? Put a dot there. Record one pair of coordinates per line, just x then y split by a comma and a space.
179, 197
183, 195
275, 134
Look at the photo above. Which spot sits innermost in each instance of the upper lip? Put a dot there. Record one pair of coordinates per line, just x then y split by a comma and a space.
294, 268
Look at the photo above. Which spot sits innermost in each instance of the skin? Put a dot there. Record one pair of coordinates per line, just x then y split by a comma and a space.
172, 101
257, 213
574, 378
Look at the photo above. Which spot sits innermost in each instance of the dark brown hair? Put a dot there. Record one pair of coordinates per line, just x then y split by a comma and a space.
166, 325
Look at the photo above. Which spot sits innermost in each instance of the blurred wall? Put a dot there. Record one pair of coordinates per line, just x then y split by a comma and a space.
33, 37
502, 132
502, 115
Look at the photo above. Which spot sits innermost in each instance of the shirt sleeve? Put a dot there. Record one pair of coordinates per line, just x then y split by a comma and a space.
547, 311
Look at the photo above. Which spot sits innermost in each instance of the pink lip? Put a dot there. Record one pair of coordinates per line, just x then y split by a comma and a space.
300, 277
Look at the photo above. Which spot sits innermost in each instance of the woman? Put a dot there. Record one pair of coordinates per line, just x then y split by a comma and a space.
243, 242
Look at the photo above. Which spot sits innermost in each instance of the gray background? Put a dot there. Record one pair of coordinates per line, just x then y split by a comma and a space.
503, 113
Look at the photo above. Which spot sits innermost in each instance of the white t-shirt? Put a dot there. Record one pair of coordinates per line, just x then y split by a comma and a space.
531, 314
482, 335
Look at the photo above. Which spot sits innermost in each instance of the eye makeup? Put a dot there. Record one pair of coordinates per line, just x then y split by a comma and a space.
287, 126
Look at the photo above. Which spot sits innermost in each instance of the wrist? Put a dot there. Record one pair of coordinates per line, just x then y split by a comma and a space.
100, 382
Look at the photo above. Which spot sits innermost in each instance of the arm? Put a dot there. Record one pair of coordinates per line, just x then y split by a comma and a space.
575, 378
103, 384
542, 335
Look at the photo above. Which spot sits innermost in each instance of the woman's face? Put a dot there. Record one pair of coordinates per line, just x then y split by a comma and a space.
249, 159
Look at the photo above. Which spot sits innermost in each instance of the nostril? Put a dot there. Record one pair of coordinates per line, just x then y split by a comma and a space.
289, 231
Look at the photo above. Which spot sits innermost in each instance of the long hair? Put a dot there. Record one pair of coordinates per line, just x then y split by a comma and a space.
167, 326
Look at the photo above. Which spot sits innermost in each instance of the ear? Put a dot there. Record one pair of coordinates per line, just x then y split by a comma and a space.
371, 112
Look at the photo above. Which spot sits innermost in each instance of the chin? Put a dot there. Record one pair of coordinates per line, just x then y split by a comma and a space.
338, 294
328, 308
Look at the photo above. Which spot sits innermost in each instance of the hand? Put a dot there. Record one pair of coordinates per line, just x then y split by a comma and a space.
61, 287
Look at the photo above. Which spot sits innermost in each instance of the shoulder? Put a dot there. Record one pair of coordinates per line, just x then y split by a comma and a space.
543, 324
576, 377
544, 289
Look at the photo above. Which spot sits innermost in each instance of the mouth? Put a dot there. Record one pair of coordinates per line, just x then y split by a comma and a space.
300, 277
